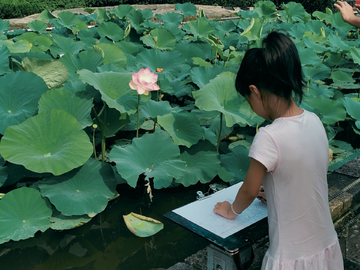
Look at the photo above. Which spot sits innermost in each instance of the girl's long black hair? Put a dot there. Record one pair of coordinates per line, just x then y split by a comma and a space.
275, 68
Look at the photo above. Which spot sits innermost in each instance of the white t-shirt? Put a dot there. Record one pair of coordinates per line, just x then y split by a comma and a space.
295, 152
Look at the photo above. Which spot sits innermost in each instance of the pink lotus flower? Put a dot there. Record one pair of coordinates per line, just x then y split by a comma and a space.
144, 81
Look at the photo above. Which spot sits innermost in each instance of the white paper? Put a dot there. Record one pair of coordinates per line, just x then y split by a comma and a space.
201, 213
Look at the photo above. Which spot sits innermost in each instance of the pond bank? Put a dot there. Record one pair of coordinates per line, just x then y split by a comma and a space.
344, 202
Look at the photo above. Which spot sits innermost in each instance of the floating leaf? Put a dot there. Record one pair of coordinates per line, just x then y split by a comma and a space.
82, 191
23, 212
19, 96
52, 141
53, 72
63, 100
142, 226
61, 222
146, 155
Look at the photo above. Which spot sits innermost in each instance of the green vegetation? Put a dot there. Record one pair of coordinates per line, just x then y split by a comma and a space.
69, 116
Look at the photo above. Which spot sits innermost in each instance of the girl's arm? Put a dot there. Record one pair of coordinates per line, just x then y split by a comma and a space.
347, 13
247, 192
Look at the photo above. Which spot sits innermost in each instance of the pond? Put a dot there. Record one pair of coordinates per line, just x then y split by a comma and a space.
106, 243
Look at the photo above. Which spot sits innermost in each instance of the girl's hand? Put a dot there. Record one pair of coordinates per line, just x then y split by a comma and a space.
224, 209
261, 196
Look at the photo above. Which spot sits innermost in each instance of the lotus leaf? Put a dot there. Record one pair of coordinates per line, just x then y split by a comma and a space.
142, 226
183, 127
340, 76
146, 155
52, 141
113, 55
171, 62
352, 107
153, 109
160, 39
3, 175
187, 9
201, 62
122, 11
309, 57
83, 191
332, 111
202, 163
46, 16
266, 10
4, 25
62, 45
234, 165
170, 19
114, 89
19, 95
61, 222
63, 100
136, 19
23, 212
235, 108
53, 72
200, 29
4, 59
102, 15
22, 46
254, 30
342, 27
113, 121
37, 26
202, 75
70, 21
293, 12
111, 30
338, 44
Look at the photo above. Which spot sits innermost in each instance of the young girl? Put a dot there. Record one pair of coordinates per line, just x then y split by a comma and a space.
290, 156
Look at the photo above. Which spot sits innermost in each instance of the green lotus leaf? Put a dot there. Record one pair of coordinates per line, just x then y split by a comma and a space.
332, 111
52, 141
322, 16
340, 76
4, 60
316, 47
102, 15
4, 25
318, 38
142, 226
187, 9
90, 60
338, 44
202, 163
19, 95
53, 72
170, 18
293, 12
213, 97
321, 90
37, 26
112, 55
136, 19
160, 38
266, 10
46, 16
22, 46
61, 222
183, 127
254, 30
355, 54
114, 88
197, 61
111, 30
70, 21
62, 45
234, 165
316, 73
63, 100
153, 109
171, 62
3, 175
23, 212
309, 57
352, 107
202, 75
340, 25
146, 155
83, 191
122, 11
342, 153
113, 121
200, 28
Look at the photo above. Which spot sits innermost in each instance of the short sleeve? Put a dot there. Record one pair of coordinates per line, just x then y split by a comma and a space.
264, 150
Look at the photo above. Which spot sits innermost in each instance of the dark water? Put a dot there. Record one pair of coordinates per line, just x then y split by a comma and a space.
105, 243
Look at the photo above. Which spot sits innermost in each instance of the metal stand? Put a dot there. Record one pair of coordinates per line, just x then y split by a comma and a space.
220, 259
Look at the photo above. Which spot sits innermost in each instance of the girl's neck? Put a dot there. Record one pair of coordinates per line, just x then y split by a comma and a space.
286, 110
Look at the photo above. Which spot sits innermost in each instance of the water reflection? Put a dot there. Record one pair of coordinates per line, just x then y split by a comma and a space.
106, 243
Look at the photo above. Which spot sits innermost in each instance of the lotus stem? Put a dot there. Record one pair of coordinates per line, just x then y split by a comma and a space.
219, 135
94, 128
355, 70
336, 65
308, 85
138, 117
